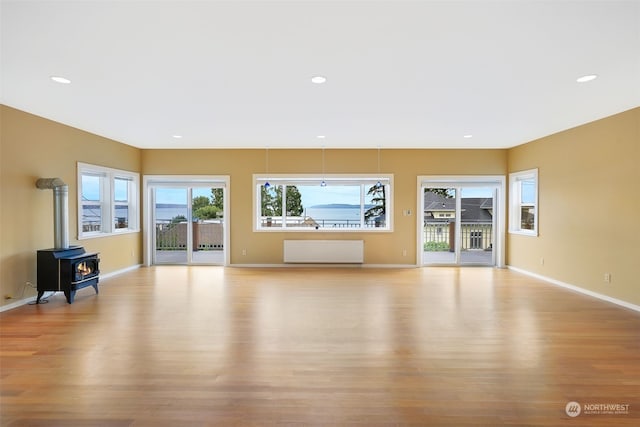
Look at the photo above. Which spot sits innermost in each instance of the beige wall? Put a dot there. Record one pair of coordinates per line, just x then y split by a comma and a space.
380, 248
588, 197
589, 201
31, 148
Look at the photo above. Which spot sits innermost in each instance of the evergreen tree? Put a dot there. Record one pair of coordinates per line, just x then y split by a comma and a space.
209, 208
178, 219
379, 200
207, 212
294, 201
217, 198
267, 201
444, 192
200, 202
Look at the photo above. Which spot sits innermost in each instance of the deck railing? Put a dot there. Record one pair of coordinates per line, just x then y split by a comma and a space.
439, 236
205, 235
308, 222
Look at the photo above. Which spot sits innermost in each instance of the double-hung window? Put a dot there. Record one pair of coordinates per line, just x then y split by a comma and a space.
524, 202
326, 203
107, 201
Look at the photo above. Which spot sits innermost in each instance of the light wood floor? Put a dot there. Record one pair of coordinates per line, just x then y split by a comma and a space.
199, 346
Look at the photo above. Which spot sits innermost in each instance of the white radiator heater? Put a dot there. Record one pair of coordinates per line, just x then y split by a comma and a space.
324, 251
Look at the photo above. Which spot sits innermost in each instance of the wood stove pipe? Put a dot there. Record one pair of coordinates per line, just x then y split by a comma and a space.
60, 209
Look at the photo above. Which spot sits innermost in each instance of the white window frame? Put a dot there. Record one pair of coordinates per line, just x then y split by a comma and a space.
317, 179
107, 200
149, 182
497, 182
516, 204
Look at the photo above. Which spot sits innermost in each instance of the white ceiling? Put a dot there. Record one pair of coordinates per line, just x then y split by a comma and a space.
400, 74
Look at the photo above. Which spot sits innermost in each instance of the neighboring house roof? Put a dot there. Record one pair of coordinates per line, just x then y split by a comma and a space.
477, 209
474, 209
435, 202
309, 221
487, 204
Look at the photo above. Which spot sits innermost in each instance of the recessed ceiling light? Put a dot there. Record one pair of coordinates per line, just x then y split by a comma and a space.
177, 136
59, 79
586, 78
321, 137
318, 79
468, 136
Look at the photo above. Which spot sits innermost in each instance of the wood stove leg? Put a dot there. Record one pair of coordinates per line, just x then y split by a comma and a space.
70, 296
96, 288
40, 293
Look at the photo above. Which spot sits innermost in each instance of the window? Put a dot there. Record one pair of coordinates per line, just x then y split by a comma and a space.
524, 202
329, 203
107, 201
121, 201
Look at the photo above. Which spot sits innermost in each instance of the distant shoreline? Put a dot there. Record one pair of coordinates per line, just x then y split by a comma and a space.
338, 206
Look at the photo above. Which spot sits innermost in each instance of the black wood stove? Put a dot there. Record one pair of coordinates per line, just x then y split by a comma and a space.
67, 270
64, 268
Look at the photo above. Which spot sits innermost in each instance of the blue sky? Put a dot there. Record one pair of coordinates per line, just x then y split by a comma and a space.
311, 195
477, 192
316, 195
91, 188
179, 195
528, 192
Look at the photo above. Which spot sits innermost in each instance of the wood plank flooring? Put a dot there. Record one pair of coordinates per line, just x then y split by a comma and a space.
209, 346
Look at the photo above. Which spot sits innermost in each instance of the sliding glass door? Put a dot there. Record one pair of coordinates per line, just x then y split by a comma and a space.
439, 241
461, 222
186, 221
476, 226
171, 231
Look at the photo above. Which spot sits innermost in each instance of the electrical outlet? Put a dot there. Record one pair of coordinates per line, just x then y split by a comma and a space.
541, 261
404, 252
607, 277
244, 252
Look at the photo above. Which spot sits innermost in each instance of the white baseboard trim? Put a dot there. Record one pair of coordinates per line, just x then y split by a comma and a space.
119, 272
295, 265
27, 300
323, 265
17, 304
578, 289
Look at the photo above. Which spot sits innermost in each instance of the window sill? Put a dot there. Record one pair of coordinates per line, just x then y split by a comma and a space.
99, 235
530, 233
322, 230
